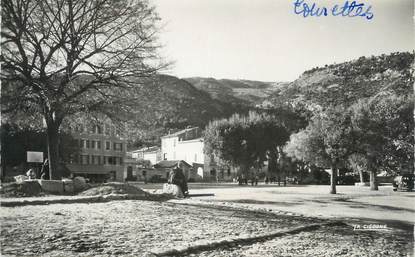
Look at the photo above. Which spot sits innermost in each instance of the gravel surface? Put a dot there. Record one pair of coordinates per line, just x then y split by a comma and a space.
325, 242
144, 228
136, 228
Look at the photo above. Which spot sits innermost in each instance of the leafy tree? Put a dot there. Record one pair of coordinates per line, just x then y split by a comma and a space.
383, 126
358, 163
62, 57
245, 141
325, 142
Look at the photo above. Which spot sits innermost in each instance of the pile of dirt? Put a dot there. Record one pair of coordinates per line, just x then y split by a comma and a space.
114, 188
21, 189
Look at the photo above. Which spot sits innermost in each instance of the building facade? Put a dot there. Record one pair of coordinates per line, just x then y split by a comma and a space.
151, 154
184, 145
188, 145
102, 152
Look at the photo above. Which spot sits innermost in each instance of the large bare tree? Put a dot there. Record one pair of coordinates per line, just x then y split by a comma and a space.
63, 57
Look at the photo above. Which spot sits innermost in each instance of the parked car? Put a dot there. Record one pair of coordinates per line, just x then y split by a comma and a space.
404, 182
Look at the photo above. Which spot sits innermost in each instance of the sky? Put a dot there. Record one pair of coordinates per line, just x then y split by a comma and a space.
265, 40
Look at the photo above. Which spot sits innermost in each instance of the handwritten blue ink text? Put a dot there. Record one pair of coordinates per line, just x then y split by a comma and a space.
348, 9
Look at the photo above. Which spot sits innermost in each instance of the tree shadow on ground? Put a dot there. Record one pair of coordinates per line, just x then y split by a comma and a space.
357, 205
250, 201
250, 213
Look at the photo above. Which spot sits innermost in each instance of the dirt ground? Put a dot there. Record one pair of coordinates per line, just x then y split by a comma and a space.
235, 221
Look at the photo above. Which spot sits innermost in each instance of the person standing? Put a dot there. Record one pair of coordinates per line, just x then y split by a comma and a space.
44, 173
31, 174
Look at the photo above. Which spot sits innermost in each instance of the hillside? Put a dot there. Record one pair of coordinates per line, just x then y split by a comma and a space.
347, 82
238, 92
169, 103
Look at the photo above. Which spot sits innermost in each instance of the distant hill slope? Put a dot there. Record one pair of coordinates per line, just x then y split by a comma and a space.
347, 82
239, 92
168, 102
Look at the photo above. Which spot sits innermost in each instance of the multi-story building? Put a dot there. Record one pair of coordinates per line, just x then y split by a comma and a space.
184, 145
102, 151
188, 145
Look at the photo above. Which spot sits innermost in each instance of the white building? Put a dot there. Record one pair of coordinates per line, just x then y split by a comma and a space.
185, 145
151, 154
188, 145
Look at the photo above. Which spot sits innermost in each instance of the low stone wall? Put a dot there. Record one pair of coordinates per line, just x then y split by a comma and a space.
57, 186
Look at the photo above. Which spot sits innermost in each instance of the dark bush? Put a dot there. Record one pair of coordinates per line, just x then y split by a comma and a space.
316, 177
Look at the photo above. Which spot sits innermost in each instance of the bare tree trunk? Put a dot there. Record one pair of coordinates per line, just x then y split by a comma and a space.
361, 176
2, 164
333, 179
373, 180
53, 149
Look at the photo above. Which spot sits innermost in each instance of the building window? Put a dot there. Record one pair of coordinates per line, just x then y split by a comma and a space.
98, 144
104, 160
107, 145
87, 143
117, 146
97, 160
85, 159
93, 144
111, 160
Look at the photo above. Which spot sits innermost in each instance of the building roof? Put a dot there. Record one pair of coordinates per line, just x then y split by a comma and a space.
146, 149
178, 133
170, 164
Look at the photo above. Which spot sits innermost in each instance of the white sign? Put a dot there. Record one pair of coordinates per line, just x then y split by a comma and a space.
35, 157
